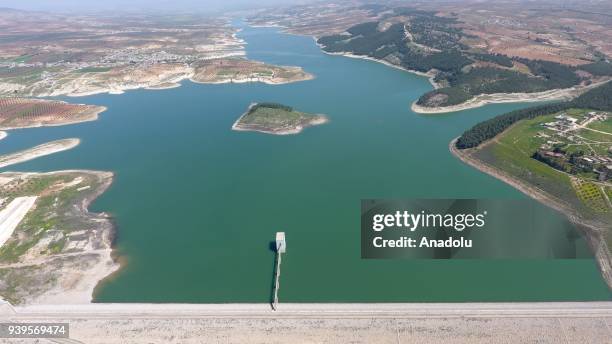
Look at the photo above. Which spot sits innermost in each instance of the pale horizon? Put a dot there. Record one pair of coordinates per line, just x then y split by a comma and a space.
141, 5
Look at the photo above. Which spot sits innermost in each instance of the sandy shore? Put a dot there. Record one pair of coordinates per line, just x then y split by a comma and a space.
291, 131
116, 89
247, 80
2, 134
38, 151
165, 86
120, 89
82, 87
572, 322
591, 230
235, 125
497, 98
268, 81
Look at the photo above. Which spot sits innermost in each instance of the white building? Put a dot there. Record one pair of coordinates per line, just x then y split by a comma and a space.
281, 245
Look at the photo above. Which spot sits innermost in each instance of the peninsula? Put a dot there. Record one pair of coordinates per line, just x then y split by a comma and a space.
512, 58
18, 113
38, 151
59, 251
462, 79
277, 119
559, 154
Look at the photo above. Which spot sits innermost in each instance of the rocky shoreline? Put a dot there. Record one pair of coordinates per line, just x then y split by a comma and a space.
68, 275
429, 75
481, 99
169, 76
498, 98
286, 130
68, 261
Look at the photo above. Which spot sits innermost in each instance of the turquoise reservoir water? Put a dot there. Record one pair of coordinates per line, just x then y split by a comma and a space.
196, 204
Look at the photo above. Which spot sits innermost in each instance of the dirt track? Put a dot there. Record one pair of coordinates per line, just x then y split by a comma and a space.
576, 322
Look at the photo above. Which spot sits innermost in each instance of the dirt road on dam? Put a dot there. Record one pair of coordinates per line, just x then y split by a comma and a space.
575, 322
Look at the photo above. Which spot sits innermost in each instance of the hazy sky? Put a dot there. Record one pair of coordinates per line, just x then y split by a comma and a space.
94, 5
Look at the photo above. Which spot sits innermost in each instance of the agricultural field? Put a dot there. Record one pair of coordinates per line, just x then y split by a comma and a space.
94, 70
317, 20
591, 194
24, 112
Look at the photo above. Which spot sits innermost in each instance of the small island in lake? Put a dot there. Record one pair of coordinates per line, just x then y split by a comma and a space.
278, 119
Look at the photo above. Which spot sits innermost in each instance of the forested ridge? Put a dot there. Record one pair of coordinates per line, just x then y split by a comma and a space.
599, 98
426, 42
